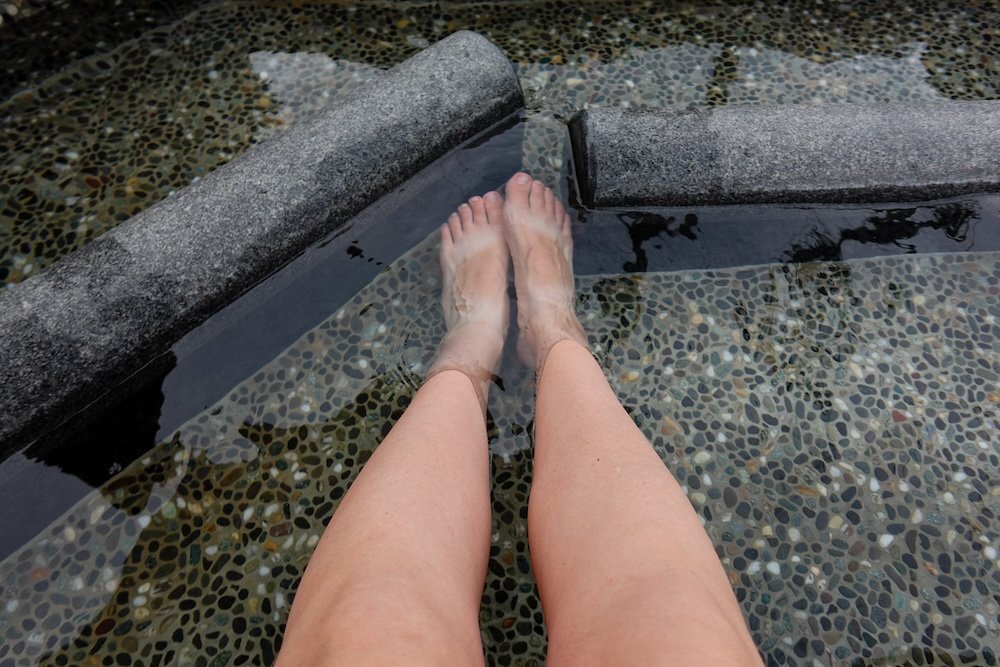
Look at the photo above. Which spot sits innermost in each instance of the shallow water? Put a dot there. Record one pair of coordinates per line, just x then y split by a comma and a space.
832, 423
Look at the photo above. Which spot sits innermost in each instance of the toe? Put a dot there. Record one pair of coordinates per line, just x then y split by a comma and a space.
550, 206
446, 240
455, 226
494, 207
537, 196
559, 210
478, 210
518, 189
465, 215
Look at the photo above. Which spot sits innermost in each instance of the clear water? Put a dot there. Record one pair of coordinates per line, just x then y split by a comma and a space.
834, 423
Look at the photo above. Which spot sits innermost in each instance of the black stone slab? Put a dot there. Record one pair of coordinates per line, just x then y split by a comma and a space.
793, 153
100, 314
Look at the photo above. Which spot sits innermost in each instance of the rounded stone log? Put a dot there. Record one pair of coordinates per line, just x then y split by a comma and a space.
91, 320
794, 153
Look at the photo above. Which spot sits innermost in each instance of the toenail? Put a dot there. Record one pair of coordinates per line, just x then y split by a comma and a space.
475, 198
522, 178
492, 196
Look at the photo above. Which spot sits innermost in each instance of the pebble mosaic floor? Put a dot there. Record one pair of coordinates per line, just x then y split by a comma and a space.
833, 424
112, 133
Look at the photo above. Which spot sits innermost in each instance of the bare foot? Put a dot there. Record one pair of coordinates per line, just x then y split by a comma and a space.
474, 263
538, 233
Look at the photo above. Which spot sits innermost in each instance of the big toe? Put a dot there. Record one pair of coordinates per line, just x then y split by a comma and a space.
519, 190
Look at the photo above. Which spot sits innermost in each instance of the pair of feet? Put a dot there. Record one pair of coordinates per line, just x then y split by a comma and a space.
530, 228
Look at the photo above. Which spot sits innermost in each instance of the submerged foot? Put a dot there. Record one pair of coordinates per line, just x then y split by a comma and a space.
537, 229
474, 263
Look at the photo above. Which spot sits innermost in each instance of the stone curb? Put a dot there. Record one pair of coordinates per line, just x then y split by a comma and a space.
91, 320
795, 153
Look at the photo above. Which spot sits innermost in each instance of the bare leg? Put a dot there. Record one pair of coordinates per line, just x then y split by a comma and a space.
626, 572
398, 576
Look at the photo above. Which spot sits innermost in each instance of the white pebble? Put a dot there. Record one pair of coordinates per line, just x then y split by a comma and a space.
949, 497
142, 520
990, 552
248, 513
753, 568
702, 457
960, 476
338, 468
774, 568
874, 485
794, 535
886, 540
11, 606
917, 517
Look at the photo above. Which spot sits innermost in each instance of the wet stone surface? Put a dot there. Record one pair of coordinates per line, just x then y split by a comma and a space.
114, 132
834, 425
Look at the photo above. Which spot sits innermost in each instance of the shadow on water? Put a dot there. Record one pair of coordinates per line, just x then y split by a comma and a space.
889, 227
636, 241
645, 227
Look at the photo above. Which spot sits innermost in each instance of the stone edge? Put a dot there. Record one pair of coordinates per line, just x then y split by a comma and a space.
90, 321
596, 194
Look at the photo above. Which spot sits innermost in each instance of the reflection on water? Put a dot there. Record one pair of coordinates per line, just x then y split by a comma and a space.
832, 423
891, 226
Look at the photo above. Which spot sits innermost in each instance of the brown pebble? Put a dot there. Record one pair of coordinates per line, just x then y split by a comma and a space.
281, 529
670, 427
104, 627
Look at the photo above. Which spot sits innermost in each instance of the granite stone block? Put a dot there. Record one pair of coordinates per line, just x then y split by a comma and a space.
793, 153
99, 315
